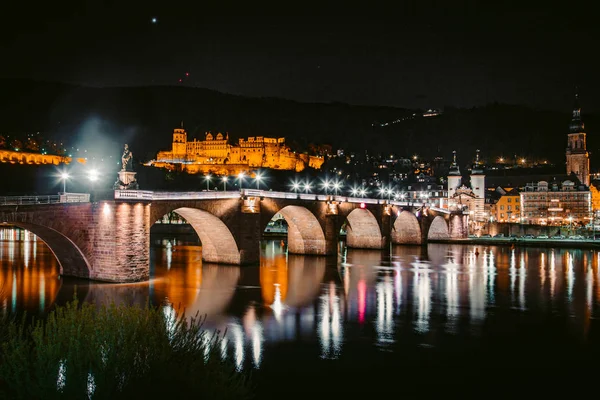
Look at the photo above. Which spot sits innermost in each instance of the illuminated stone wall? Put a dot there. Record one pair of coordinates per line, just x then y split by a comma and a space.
19, 157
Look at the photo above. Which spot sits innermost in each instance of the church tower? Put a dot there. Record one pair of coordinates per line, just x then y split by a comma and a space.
478, 178
578, 161
478, 188
454, 177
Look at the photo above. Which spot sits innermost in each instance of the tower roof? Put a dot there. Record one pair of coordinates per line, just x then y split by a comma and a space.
454, 169
477, 168
576, 124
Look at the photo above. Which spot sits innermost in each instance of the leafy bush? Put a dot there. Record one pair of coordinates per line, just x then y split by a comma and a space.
84, 351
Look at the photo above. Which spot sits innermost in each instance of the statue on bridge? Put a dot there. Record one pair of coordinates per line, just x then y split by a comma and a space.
126, 178
127, 159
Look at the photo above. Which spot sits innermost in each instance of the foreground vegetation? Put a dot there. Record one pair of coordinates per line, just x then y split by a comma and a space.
84, 351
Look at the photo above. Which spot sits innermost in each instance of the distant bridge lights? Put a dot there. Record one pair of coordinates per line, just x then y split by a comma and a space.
295, 186
307, 186
224, 179
258, 178
207, 178
64, 176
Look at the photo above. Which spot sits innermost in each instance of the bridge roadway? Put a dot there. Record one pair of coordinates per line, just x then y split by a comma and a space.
109, 240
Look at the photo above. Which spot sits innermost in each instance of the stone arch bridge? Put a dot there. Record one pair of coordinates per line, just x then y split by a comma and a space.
110, 240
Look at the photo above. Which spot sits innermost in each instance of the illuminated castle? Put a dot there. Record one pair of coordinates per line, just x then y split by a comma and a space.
215, 154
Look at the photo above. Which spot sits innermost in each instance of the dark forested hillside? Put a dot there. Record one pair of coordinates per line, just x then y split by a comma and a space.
102, 119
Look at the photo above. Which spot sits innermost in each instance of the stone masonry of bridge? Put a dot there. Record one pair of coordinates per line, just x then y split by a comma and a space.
110, 240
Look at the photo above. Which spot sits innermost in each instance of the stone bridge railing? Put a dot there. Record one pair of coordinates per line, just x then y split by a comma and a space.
144, 195
45, 199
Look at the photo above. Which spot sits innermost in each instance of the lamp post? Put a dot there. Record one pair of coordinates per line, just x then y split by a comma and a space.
258, 178
295, 186
307, 186
241, 178
207, 179
224, 183
64, 176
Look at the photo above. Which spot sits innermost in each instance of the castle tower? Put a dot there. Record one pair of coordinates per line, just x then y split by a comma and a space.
179, 142
578, 161
454, 177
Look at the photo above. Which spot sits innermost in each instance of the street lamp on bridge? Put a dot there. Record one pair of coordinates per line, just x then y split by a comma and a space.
241, 176
224, 179
258, 178
207, 178
64, 176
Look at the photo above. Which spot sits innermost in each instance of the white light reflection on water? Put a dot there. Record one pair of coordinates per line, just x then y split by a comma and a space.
477, 289
422, 295
589, 287
330, 328
552, 273
522, 278
26, 249
452, 293
512, 272
570, 276
385, 307
491, 272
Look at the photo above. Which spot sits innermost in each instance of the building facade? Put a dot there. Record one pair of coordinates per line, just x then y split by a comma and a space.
216, 154
508, 207
556, 203
578, 161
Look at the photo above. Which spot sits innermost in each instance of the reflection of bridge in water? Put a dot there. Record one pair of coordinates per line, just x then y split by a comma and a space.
412, 289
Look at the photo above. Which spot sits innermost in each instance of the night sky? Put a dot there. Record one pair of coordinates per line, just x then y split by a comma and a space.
460, 56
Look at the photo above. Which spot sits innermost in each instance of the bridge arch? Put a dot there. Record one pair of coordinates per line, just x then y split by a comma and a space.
363, 231
305, 235
438, 229
218, 243
407, 229
70, 258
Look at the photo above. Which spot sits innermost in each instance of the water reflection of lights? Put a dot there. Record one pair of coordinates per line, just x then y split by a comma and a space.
26, 248
590, 287
330, 328
277, 305
512, 271
552, 273
570, 276
542, 269
169, 256
385, 307
398, 288
491, 273
452, 294
422, 288
362, 300
522, 277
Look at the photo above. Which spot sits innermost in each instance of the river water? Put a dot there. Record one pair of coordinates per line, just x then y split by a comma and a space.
417, 320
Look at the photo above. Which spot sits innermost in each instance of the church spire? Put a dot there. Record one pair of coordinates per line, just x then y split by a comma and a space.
477, 169
576, 124
454, 169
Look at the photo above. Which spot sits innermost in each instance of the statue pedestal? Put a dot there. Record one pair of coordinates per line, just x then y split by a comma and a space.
126, 181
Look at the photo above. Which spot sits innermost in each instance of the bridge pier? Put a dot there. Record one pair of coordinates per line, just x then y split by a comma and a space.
332, 230
249, 238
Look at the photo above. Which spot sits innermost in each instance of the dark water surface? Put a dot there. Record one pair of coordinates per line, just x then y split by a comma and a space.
441, 320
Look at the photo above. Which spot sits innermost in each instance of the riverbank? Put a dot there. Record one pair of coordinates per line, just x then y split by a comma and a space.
521, 242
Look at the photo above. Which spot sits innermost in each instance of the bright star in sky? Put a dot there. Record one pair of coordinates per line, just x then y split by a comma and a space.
154, 20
